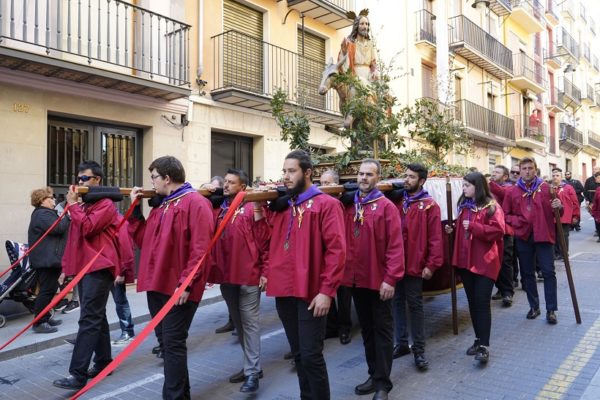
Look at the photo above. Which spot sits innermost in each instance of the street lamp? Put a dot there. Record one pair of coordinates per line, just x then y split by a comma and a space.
480, 4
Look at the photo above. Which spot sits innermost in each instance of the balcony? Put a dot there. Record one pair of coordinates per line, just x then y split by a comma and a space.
500, 7
586, 53
571, 139
107, 44
566, 45
485, 124
328, 12
568, 93
529, 14
593, 141
567, 9
528, 74
551, 57
595, 63
552, 12
479, 47
530, 136
588, 97
553, 105
248, 71
425, 29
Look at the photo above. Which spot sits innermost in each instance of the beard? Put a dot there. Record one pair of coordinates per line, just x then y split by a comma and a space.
297, 188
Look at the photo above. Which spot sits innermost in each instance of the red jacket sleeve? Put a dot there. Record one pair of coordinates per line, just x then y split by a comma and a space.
394, 254
99, 217
435, 250
497, 191
262, 236
136, 228
332, 231
201, 227
575, 203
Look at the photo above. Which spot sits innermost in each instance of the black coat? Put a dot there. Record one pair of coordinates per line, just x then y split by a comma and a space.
590, 184
578, 188
48, 254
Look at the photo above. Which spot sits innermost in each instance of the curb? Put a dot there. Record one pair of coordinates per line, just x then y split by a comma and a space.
59, 341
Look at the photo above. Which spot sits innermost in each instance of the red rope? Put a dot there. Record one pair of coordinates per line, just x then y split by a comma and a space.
166, 308
37, 242
71, 284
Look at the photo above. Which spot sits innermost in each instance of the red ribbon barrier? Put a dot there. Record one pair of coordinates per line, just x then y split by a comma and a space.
71, 284
36, 243
166, 308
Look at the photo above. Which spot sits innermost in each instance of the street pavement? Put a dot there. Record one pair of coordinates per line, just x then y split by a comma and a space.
529, 359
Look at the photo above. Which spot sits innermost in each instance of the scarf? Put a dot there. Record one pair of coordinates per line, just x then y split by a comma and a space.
467, 204
410, 199
296, 209
532, 189
360, 202
181, 191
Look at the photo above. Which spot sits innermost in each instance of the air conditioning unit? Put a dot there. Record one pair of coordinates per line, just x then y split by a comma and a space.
530, 95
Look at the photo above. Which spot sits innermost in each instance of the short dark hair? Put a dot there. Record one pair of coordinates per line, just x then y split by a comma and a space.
303, 159
527, 160
92, 165
556, 169
218, 179
169, 166
420, 169
373, 161
334, 175
505, 170
240, 174
597, 174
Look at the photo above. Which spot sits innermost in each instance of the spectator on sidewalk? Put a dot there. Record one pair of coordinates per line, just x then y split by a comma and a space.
595, 205
579, 190
571, 211
46, 258
589, 189
477, 250
119, 290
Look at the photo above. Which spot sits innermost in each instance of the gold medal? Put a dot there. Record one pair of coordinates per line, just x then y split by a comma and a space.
300, 212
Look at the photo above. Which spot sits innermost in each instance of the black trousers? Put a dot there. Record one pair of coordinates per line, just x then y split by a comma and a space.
93, 336
154, 308
557, 247
339, 319
377, 329
305, 334
175, 327
504, 283
479, 292
47, 279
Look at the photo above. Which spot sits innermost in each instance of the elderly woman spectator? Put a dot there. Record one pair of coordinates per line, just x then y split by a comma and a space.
46, 257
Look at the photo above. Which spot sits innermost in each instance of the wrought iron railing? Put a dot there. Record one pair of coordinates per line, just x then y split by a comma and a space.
343, 4
529, 68
567, 88
533, 7
425, 26
484, 120
568, 132
252, 65
551, 53
552, 9
463, 30
506, 3
108, 34
594, 139
566, 41
529, 128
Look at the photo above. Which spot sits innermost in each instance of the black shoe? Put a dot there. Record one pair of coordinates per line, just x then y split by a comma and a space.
70, 383
288, 356
250, 385
161, 354
61, 305
94, 371
71, 341
497, 296
345, 338
156, 349
471, 351
381, 395
551, 317
533, 313
228, 327
366, 387
54, 322
507, 301
420, 362
577, 228
483, 355
72, 306
400, 350
44, 327
595, 233
240, 377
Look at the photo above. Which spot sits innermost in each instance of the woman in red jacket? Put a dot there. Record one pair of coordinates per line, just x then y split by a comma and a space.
477, 255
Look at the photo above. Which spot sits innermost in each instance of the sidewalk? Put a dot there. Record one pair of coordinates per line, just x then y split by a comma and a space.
30, 342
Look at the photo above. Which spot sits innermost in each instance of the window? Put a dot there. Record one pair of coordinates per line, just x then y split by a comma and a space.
568, 165
230, 151
427, 82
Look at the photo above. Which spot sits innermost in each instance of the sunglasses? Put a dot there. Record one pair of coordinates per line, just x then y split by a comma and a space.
84, 178
515, 172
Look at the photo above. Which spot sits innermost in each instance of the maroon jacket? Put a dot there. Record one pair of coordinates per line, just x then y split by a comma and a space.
376, 254
239, 254
480, 249
527, 215
313, 261
499, 192
422, 233
93, 226
172, 241
571, 207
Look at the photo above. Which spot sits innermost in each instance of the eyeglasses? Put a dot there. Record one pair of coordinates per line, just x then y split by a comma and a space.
153, 177
85, 178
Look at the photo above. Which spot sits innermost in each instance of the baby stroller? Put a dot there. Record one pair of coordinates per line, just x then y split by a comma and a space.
20, 286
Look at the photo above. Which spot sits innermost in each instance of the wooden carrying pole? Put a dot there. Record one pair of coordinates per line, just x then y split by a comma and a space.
256, 195
565, 254
450, 249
